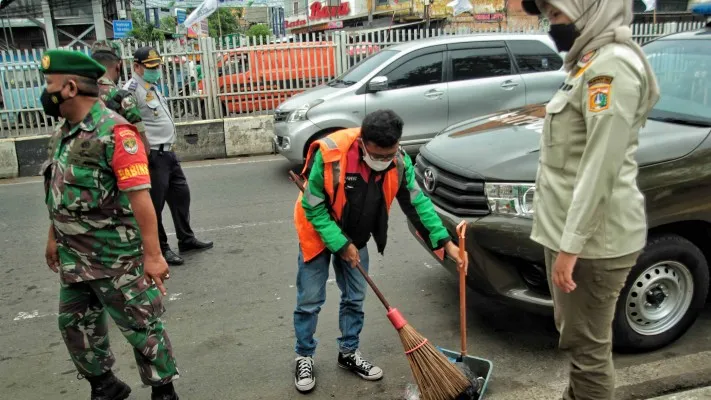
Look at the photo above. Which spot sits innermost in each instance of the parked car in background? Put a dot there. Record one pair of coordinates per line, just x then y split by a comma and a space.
430, 83
483, 170
258, 78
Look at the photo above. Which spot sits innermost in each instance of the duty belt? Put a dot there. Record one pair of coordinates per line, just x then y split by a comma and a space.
163, 147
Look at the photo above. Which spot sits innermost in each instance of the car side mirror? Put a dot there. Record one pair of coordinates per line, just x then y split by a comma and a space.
378, 83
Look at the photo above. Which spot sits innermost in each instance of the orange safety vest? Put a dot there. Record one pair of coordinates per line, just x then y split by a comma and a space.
334, 150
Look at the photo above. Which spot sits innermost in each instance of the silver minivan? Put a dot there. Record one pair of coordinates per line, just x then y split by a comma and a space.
431, 83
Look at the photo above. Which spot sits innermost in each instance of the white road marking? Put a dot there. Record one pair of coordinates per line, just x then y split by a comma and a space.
217, 164
32, 315
194, 164
174, 296
238, 226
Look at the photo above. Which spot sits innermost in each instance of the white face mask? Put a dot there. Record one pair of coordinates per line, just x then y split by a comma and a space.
373, 164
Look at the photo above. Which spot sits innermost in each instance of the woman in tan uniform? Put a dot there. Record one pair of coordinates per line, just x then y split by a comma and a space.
590, 214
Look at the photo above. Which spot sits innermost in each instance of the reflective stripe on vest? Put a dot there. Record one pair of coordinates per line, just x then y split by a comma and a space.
334, 149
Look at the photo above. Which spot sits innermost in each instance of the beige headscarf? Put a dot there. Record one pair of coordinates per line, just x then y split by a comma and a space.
602, 22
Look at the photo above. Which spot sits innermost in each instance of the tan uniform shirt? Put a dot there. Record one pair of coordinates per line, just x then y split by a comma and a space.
587, 201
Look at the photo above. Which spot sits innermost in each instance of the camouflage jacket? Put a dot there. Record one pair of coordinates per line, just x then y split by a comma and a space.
90, 168
121, 101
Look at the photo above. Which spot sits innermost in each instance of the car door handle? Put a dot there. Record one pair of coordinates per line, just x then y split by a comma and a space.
509, 85
434, 94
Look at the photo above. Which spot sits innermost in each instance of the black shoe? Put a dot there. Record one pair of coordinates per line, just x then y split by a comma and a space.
108, 387
304, 376
172, 396
165, 392
193, 244
356, 363
171, 258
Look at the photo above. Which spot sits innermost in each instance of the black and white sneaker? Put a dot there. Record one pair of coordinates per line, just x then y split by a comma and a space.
356, 363
304, 376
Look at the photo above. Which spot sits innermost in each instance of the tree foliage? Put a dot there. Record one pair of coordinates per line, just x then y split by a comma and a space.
259, 30
143, 31
228, 18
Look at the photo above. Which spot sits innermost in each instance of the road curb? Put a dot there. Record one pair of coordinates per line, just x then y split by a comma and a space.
197, 141
642, 381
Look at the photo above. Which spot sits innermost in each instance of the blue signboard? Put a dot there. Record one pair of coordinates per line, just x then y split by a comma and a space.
180, 16
121, 28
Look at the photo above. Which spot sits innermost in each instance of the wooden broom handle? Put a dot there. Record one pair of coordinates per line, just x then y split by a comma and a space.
461, 231
372, 286
297, 180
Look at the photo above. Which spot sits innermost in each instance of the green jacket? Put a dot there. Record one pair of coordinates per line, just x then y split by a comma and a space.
415, 204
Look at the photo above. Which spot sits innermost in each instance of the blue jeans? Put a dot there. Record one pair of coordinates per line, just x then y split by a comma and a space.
311, 295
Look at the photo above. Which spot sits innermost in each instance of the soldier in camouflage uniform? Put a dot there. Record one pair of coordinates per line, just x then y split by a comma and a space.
115, 98
103, 235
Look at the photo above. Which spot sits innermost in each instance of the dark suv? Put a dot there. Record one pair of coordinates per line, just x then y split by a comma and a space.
483, 171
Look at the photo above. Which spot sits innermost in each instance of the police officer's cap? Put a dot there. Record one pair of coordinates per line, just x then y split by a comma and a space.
105, 47
530, 7
71, 63
147, 56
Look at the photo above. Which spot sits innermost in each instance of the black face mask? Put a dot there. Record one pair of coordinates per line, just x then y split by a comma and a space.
51, 101
563, 36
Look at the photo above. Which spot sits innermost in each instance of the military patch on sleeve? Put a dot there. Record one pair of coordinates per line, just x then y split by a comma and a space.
599, 93
587, 58
128, 139
600, 80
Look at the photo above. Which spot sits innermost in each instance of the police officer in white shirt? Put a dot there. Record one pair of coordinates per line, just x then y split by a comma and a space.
168, 183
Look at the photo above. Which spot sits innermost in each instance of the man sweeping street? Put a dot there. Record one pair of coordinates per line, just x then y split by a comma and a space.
352, 178
103, 236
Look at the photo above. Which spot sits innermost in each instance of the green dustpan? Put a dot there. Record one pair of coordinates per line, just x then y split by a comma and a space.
479, 367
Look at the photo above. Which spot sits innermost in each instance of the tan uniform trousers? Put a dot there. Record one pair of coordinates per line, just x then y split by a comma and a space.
584, 320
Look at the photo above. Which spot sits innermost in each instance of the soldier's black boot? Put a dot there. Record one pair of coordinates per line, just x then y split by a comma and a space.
108, 387
165, 392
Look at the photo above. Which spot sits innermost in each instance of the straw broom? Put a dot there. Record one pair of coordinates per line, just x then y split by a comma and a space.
436, 377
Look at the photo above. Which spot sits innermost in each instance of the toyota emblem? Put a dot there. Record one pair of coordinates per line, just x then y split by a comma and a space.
429, 180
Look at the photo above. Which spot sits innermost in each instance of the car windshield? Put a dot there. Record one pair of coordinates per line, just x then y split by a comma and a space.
683, 69
360, 70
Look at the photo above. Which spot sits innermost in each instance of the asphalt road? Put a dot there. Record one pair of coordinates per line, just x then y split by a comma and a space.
230, 309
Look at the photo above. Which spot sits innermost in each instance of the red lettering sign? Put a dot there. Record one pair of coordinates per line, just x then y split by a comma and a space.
318, 11
297, 23
489, 17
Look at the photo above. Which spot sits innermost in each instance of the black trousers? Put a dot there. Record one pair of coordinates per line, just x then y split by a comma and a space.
169, 185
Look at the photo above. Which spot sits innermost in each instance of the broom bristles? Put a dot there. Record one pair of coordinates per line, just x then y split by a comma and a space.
436, 377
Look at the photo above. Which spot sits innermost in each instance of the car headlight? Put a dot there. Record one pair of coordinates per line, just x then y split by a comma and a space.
300, 113
515, 199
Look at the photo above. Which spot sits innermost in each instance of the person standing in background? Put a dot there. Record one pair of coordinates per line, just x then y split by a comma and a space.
115, 98
169, 184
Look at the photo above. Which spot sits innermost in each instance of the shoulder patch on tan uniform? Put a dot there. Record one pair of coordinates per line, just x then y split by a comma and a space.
599, 93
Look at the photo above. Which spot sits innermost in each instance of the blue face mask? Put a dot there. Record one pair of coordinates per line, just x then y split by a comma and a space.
151, 75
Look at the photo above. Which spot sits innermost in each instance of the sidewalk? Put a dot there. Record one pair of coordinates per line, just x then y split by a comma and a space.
695, 394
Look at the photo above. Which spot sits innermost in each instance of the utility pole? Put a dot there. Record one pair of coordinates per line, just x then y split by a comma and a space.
371, 10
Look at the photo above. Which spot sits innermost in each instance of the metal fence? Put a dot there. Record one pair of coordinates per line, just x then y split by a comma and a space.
212, 79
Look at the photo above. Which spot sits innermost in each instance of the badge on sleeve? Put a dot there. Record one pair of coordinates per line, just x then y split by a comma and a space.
599, 93
128, 140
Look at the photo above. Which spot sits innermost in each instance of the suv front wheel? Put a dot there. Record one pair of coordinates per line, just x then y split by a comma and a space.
663, 295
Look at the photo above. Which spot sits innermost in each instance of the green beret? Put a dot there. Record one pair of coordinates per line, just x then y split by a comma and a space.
71, 63
104, 46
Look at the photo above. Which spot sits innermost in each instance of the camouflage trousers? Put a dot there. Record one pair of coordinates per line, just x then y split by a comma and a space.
135, 305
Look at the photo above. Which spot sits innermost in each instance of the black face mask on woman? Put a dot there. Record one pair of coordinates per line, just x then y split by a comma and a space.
564, 35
